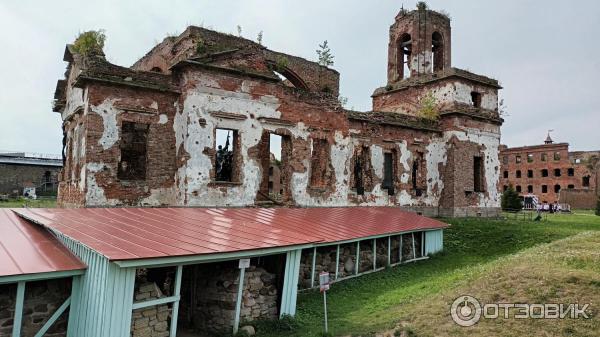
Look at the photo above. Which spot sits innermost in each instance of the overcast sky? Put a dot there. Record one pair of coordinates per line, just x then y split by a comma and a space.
545, 53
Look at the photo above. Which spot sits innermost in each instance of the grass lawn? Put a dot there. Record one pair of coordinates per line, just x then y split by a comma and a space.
494, 260
17, 203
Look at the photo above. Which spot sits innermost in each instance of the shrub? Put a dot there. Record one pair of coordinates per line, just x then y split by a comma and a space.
510, 199
90, 42
428, 107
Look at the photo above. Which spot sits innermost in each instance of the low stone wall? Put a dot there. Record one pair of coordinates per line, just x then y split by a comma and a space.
216, 296
326, 256
42, 298
151, 321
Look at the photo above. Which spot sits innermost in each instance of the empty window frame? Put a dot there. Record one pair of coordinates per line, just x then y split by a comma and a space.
529, 188
437, 51
320, 172
478, 174
544, 156
585, 181
518, 188
518, 159
505, 174
226, 147
556, 188
544, 173
557, 156
544, 188
388, 172
518, 174
133, 146
505, 160
530, 157
529, 173
361, 161
403, 56
476, 99
416, 172
557, 172
571, 186
570, 172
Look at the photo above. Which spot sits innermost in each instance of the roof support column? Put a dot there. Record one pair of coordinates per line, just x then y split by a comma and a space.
389, 256
337, 262
312, 271
18, 319
413, 245
238, 302
177, 293
374, 254
357, 258
400, 250
290, 283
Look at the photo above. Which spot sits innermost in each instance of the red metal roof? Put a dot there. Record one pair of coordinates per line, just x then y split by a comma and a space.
26, 248
138, 233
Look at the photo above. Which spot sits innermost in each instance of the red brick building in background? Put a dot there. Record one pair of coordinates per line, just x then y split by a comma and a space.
552, 173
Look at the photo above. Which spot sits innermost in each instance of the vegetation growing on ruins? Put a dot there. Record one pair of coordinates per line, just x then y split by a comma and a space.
90, 42
324, 54
428, 107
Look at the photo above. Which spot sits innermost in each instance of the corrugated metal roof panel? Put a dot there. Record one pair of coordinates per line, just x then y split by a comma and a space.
138, 233
26, 248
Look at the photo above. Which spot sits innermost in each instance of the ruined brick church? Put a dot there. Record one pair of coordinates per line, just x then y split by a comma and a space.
148, 135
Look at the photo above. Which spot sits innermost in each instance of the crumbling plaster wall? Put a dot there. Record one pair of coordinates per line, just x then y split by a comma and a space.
449, 94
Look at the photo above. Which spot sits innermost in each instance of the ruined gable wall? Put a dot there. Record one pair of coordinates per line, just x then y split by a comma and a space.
448, 93
108, 107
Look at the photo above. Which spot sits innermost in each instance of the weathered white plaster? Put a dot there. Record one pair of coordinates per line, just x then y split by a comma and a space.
163, 119
377, 160
405, 156
110, 132
95, 194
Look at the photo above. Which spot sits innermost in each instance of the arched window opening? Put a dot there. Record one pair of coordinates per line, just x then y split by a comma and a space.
437, 51
403, 56
287, 76
156, 70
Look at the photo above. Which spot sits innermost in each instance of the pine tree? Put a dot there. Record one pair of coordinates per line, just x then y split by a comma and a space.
511, 200
324, 54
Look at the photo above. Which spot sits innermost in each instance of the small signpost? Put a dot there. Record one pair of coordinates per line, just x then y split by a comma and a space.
324, 286
243, 264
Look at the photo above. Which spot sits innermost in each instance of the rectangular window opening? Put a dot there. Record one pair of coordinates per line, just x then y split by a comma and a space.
133, 146
275, 165
226, 148
478, 174
388, 172
476, 99
320, 172
361, 161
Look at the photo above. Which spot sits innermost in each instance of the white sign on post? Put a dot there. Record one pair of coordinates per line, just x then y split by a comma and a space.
324, 286
244, 263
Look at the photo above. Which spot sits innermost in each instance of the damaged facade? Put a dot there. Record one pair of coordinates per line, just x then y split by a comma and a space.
147, 135
552, 173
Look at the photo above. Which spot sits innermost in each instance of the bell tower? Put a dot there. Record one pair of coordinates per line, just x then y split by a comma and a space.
419, 43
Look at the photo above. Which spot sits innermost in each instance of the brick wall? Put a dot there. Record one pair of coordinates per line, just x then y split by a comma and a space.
14, 177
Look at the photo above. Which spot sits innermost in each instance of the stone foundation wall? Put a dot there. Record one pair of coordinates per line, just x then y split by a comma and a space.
216, 295
42, 298
151, 321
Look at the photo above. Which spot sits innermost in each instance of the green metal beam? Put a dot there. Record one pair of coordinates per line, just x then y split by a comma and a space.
389, 256
158, 301
18, 319
175, 313
53, 318
374, 254
413, 246
238, 301
39, 276
400, 252
357, 257
337, 261
205, 258
312, 271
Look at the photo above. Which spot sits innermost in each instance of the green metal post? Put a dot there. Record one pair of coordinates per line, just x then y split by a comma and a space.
337, 262
312, 271
238, 302
389, 256
357, 257
400, 250
177, 292
374, 254
413, 245
18, 319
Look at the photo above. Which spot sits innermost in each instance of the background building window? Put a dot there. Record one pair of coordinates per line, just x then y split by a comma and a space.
518, 174
544, 156
530, 157
571, 172
544, 188
571, 186
519, 188
557, 172
557, 155
556, 188
529, 173
518, 159
529, 188
585, 181
544, 173
505, 174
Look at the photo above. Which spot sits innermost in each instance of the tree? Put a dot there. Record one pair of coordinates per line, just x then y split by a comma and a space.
428, 107
324, 54
510, 199
90, 42
239, 30
259, 38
